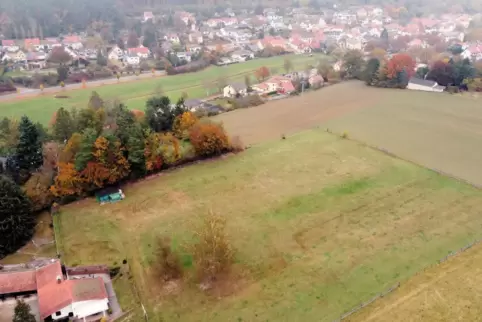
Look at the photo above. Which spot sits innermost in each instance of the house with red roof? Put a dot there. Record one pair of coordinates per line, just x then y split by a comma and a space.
276, 41
53, 293
280, 84
31, 42
141, 52
10, 45
73, 41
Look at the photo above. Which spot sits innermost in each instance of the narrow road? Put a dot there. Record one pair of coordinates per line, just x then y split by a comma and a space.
24, 92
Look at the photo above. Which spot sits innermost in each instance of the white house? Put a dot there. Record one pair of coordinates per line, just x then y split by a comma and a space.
184, 56
15, 57
73, 42
148, 15
115, 53
141, 52
235, 89
10, 45
132, 59
424, 85
242, 55
196, 37
53, 295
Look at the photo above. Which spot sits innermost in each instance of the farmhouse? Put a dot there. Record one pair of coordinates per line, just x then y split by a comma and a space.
52, 292
235, 89
424, 85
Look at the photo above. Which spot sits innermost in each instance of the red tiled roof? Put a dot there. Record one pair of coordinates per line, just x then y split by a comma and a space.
8, 42
48, 274
136, 50
57, 296
15, 282
32, 41
71, 39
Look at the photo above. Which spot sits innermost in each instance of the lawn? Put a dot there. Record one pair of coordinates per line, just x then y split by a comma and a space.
135, 93
320, 223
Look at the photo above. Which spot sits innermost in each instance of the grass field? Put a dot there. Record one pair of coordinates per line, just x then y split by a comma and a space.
135, 93
449, 292
337, 223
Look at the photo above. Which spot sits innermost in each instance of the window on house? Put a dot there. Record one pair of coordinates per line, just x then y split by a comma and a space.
58, 313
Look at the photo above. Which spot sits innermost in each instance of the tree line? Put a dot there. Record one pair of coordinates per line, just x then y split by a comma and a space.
85, 150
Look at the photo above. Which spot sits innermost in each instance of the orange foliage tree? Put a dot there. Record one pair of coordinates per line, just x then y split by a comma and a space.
208, 139
183, 123
398, 63
109, 165
68, 181
262, 73
161, 148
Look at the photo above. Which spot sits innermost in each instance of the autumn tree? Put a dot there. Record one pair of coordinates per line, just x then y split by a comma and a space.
168, 264
152, 152
90, 118
213, 253
442, 73
37, 189
68, 181
17, 222
22, 313
262, 73
208, 139
324, 69
398, 63
183, 123
9, 136
378, 53
247, 81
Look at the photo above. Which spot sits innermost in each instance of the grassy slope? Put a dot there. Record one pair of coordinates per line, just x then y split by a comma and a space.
135, 93
328, 223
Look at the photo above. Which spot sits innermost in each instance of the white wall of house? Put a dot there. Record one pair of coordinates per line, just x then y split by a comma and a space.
86, 308
63, 313
418, 87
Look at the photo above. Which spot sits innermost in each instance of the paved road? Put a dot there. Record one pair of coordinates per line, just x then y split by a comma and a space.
27, 92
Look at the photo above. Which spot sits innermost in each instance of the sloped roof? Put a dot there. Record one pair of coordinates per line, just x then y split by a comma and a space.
16, 282
56, 296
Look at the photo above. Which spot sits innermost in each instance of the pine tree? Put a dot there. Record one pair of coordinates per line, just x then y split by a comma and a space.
23, 313
17, 222
29, 149
63, 128
135, 150
84, 155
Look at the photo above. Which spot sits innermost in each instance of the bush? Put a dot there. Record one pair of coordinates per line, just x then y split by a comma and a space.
237, 144
213, 254
168, 263
208, 139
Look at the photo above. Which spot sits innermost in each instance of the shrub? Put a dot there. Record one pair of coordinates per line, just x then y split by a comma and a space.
213, 254
168, 264
208, 139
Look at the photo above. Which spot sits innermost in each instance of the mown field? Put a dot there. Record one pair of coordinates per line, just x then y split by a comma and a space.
337, 222
451, 291
135, 93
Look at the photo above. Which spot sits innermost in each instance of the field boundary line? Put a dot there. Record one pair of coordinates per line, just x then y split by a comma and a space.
432, 265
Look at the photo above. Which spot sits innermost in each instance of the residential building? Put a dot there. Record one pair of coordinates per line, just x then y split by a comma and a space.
235, 89
148, 15
173, 38
280, 84
193, 104
73, 42
53, 293
141, 52
242, 55
424, 85
115, 53
31, 43
132, 59
36, 60
15, 57
183, 55
196, 37
10, 45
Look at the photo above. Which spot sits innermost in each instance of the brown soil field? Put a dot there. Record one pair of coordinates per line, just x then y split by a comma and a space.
436, 130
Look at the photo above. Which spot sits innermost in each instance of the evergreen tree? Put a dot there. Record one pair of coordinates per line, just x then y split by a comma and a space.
384, 36
17, 222
64, 127
371, 71
84, 155
124, 120
101, 59
402, 79
135, 150
23, 313
160, 115
29, 149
